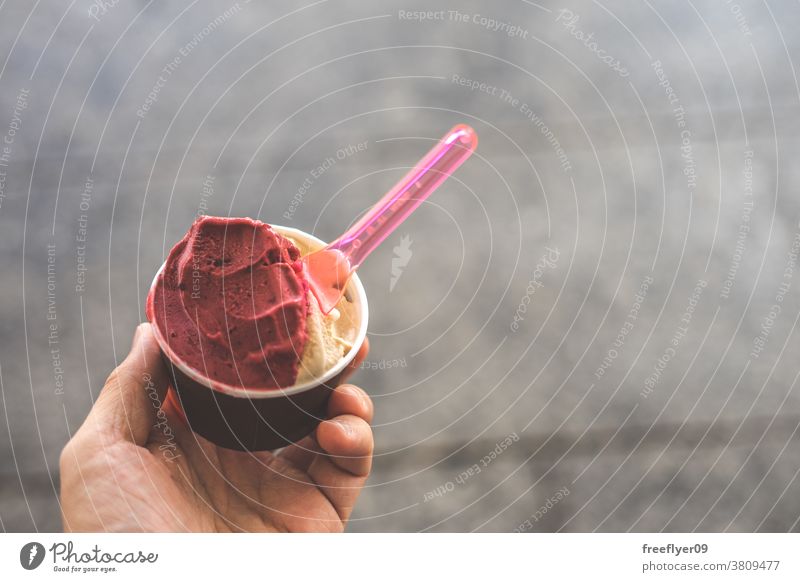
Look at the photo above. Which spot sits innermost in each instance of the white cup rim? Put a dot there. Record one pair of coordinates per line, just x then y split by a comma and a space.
356, 290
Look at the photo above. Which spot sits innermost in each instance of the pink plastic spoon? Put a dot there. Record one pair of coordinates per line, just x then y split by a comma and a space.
329, 269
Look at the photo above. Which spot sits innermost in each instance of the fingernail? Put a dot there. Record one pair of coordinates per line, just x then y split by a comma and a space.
356, 391
362, 397
137, 333
348, 430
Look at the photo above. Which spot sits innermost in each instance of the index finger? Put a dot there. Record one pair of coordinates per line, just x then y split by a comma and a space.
357, 361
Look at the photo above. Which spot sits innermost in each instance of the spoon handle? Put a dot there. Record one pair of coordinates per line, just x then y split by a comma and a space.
381, 220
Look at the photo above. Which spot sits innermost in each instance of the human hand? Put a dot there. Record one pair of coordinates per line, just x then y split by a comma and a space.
134, 465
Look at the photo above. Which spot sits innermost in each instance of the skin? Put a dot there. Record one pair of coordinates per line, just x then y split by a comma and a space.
121, 473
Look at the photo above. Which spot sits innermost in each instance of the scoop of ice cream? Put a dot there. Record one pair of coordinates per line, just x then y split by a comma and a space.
330, 337
232, 303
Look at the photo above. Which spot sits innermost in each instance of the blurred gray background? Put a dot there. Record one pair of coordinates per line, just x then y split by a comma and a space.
633, 201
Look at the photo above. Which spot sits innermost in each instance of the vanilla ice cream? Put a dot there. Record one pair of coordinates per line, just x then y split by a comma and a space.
330, 337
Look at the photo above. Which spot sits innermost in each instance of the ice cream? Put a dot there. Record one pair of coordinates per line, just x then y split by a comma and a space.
232, 303
329, 337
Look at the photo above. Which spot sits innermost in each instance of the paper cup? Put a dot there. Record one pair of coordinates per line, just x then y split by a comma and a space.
257, 419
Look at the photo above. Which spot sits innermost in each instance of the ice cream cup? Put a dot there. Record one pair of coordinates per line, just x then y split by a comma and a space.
258, 419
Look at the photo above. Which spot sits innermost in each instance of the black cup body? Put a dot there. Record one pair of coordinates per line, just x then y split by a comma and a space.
250, 424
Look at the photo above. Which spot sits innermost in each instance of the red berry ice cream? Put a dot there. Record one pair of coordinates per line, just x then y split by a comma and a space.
232, 303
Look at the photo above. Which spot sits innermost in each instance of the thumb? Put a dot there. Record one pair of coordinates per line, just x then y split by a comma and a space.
129, 401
